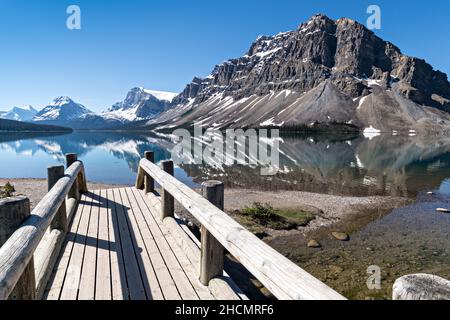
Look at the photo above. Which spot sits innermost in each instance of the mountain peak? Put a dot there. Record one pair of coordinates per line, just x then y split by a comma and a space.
62, 110
325, 71
320, 16
140, 104
62, 100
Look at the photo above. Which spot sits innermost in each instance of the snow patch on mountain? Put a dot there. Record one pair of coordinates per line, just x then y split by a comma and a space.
25, 113
162, 95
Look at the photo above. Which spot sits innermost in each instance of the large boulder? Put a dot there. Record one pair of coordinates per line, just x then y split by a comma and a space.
421, 287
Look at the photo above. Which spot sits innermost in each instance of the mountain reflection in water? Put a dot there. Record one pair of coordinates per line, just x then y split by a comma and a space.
347, 165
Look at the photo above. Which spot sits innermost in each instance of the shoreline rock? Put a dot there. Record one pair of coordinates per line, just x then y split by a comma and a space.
314, 244
341, 236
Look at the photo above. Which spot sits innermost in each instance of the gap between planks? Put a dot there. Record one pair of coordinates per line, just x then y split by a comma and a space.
118, 249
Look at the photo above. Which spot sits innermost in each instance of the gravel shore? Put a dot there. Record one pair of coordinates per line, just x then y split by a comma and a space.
35, 189
333, 213
328, 209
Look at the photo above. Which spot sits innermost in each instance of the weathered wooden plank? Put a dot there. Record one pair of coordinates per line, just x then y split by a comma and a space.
181, 280
57, 280
134, 281
278, 274
202, 291
46, 258
88, 271
163, 274
119, 286
221, 290
73, 274
145, 261
18, 250
103, 280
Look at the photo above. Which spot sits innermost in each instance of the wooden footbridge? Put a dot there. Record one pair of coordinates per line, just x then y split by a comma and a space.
128, 243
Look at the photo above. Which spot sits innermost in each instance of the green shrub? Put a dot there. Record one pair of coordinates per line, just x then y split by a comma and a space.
265, 215
7, 190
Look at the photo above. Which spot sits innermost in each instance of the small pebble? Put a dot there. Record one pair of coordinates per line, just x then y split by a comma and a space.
341, 236
314, 244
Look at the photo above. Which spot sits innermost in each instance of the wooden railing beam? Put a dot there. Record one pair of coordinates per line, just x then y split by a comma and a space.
279, 275
17, 252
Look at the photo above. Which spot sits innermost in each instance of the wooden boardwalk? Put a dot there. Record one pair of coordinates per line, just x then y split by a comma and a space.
128, 243
117, 249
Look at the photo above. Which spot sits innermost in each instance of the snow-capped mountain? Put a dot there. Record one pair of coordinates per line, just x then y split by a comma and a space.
25, 113
140, 104
61, 111
326, 73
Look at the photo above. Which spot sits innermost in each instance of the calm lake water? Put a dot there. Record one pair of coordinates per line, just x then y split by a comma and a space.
411, 239
347, 165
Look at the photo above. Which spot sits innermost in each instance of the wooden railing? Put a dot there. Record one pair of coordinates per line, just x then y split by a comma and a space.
21, 231
220, 232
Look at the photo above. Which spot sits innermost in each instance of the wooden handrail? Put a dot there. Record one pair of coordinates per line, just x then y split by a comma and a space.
278, 274
18, 250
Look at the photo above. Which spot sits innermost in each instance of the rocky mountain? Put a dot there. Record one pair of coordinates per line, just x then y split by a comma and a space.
140, 104
61, 111
25, 113
325, 73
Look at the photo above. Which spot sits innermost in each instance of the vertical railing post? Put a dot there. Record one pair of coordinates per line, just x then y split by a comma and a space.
60, 221
212, 252
74, 192
13, 212
149, 183
167, 201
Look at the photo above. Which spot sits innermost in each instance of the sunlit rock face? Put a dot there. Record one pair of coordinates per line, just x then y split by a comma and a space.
324, 72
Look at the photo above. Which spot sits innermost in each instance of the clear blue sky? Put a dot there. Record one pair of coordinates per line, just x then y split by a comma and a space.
163, 44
